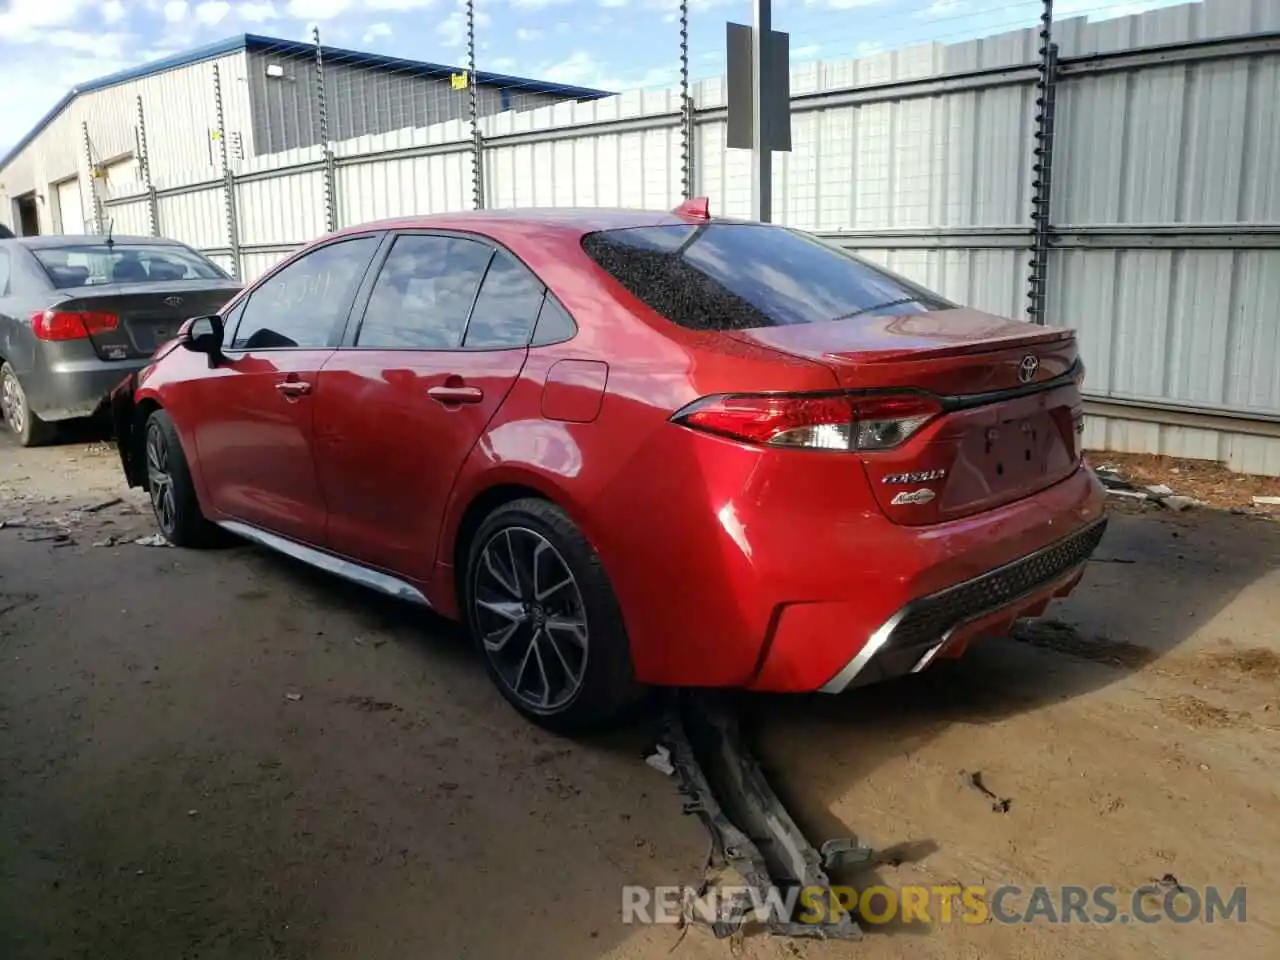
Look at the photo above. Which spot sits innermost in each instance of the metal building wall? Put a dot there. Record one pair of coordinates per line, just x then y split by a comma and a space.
180, 114
1166, 244
361, 100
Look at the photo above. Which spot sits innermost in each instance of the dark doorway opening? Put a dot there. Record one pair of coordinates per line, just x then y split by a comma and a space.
26, 218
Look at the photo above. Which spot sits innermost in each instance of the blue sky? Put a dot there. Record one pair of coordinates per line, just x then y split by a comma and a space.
47, 46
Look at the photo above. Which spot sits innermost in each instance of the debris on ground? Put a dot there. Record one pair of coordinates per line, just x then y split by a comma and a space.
48, 536
154, 540
1266, 501
974, 782
660, 760
104, 505
1160, 494
1201, 480
1168, 882
110, 541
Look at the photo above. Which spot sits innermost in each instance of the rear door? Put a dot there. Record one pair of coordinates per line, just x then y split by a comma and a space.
434, 347
253, 414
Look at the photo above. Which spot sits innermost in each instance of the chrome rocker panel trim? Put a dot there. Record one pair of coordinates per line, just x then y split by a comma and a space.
338, 566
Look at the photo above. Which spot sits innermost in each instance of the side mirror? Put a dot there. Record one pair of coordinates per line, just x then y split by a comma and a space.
203, 335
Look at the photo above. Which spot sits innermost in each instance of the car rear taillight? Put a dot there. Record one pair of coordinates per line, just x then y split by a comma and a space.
54, 324
813, 422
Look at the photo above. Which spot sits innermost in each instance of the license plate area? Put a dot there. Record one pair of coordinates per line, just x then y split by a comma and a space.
1012, 452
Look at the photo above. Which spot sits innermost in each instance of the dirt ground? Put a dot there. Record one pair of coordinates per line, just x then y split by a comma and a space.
226, 755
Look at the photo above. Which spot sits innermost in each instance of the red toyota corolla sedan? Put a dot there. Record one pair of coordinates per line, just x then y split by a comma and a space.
630, 448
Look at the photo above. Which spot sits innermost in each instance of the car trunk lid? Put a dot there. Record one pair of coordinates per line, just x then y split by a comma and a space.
147, 314
1011, 411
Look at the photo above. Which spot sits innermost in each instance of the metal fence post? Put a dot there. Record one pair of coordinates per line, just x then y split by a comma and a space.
1042, 185
93, 179
477, 144
686, 107
228, 178
330, 195
144, 170
761, 147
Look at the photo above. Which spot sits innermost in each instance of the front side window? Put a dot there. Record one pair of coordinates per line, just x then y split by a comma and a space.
424, 294
302, 304
95, 264
728, 276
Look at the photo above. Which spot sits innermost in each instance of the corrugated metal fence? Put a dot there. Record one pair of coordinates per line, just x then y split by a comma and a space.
1165, 247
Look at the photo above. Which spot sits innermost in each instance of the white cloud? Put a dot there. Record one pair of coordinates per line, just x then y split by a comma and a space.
316, 9
399, 5
614, 3
376, 31
940, 10
175, 11
257, 12
809, 52
20, 18
212, 13
1091, 10
502, 64
104, 46
113, 11
527, 33
536, 4
452, 30
582, 69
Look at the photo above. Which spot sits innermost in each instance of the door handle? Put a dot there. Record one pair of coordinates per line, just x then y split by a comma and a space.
294, 388
459, 394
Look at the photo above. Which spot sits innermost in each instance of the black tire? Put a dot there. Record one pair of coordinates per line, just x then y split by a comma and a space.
180, 519
19, 418
607, 688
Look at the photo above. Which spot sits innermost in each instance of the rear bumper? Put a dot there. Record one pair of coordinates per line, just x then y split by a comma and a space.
65, 387
911, 595
943, 623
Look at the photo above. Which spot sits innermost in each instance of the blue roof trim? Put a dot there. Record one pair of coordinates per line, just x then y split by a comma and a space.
259, 44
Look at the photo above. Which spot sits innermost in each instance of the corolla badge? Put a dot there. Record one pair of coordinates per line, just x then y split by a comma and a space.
173, 301
915, 497
1027, 368
916, 476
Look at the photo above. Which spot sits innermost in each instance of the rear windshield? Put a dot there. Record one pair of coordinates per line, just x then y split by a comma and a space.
736, 276
87, 265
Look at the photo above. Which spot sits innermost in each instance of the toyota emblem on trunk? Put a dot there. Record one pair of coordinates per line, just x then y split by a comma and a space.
177, 302
1028, 367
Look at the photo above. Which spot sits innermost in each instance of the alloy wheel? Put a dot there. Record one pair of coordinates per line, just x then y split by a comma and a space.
530, 617
12, 403
159, 480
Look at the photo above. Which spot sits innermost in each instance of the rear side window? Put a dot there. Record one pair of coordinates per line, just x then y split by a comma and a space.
86, 265
729, 276
424, 294
507, 307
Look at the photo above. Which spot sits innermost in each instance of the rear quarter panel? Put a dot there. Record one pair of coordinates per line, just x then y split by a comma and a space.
629, 479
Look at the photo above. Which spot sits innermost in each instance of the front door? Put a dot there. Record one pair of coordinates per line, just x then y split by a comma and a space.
254, 428
428, 361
